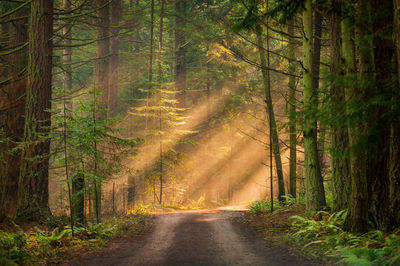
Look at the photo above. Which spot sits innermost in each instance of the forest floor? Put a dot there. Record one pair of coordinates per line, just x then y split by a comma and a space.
199, 237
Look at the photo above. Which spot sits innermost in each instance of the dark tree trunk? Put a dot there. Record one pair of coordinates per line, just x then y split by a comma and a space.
316, 70
67, 53
292, 108
33, 181
160, 44
180, 52
341, 179
150, 72
379, 125
12, 119
114, 63
78, 199
159, 81
394, 166
358, 95
270, 113
103, 51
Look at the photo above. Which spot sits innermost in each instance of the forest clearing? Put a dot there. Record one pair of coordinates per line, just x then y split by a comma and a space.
131, 131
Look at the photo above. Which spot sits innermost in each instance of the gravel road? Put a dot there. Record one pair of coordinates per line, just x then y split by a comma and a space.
207, 237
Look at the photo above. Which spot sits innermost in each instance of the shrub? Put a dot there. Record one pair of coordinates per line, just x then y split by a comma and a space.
262, 206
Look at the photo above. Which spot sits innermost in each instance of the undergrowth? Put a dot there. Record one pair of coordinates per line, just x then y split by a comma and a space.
264, 206
40, 246
326, 232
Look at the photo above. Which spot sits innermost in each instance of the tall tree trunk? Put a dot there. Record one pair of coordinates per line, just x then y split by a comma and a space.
180, 52
357, 218
116, 10
67, 90
292, 110
270, 113
159, 81
313, 196
394, 166
102, 80
379, 125
67, 52
33, 193
341, 179
160, 44
103, 51
150, 72
316, 71
12, 119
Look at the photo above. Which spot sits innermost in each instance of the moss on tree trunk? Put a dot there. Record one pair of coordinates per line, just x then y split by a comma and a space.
313, 203
33, 180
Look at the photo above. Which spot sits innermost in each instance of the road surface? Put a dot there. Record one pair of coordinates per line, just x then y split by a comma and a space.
207, 237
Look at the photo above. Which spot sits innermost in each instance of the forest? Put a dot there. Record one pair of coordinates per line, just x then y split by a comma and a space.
115, 112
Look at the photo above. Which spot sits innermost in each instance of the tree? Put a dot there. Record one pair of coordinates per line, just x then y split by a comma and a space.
379, 114
357, 220
159, 85
12, 111
33, 180
180, 52
316, 71
116, 10
292, 110
102, 76
394, 167
312, 192
341, 179
103, 50
270, 113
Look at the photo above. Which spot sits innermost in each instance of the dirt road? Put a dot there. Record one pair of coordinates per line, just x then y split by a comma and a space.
195, 238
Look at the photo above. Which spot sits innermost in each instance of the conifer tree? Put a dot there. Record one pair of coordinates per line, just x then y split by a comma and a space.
33, 193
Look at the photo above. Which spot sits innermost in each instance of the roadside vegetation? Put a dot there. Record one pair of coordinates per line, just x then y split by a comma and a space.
55, 241
322, 235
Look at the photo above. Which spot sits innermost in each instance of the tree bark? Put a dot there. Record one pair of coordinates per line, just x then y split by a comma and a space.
316, 71
114, 61
379, 164
78, 199
341, 179
180, 52
103, 51
33, 180
159, 81
292, 110
67, 53
312, 194
357, 218
12, 119
150, 73
271, 114
394, 166
102, 81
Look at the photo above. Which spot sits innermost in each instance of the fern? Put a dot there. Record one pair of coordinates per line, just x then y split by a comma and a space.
362, 256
